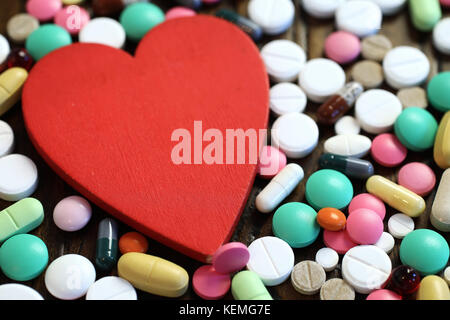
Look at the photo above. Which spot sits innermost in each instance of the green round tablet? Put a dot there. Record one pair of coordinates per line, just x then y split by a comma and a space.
23, 257
45, 39
138, 18
425, 250
416, 128
328, 189
296, 223
439, 91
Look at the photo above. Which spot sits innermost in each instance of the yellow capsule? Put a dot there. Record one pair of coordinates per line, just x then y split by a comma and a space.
153, 274
396, 196
442, 143
11, 83
433, 288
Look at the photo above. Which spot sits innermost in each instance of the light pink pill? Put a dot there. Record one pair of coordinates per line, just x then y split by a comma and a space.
43, 10
368, 201
72, 18
271, 161
72, 213
383, 294
209, 284
342, 47
364, 226
230, 257
339, 241
179, 12
387, 150
417, 177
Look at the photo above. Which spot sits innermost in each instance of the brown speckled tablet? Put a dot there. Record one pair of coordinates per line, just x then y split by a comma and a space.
308, 277
375, 47
20, 26
337, 289
368, 73
413, 97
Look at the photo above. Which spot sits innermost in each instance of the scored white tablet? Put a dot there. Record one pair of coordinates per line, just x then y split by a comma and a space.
348, 145
18, 177
273, 16
287, 97
111, 288
399, 225
321, 9
362, 18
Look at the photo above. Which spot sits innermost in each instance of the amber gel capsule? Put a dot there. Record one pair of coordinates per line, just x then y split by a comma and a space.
338, 105
351, 167
249, 27
107, 245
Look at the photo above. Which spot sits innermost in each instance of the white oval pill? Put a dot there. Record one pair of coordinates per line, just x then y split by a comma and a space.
4, 49
296, 134
327, 258
321, 78
105, 31
399, 225
287, 97
321, 9
272, 259
18, 177
377, 110
390, 7
347, 125
386, 242
15, 291
273, 16
6, 139
362, 18
111, 288
405, 67
366, 268
349, 145
441, 39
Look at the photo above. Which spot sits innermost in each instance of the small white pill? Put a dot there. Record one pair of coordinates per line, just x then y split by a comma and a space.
399, 225
15, 291
447, 275
349, 145
441, 38
4, 49
386, 242
18, 177
362, 18
347, 125
321, 9
390, 7
327, 258
111, 288
105, 31
273, 16
287, 97
6, 139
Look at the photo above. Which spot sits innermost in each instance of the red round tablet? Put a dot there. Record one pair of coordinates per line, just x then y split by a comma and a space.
387, 150
231, 257
417, 177
209, 284
339, 241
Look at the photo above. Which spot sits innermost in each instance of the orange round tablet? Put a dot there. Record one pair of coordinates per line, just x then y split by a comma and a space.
133, 242
331, 219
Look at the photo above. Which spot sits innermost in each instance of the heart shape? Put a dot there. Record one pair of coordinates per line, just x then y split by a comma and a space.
103, 120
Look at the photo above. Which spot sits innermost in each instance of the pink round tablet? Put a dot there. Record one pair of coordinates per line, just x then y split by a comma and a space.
72, 18
179, 12
72, 213
383, 294
43, 10
368, 201
417, 177
209, 284
445, 3
271, 161
387, 150
364, 226
342, 47
339, 241
230, 257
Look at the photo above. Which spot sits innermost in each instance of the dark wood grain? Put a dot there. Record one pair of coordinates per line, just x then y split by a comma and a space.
310, 34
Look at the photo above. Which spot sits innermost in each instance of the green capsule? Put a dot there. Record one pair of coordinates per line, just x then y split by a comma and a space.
107, 245
247, 285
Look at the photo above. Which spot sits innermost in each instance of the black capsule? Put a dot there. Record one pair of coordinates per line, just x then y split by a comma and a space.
249, 27
352, 167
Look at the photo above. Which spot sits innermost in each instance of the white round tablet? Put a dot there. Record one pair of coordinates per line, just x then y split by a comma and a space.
296, 134
405, 67
321, 9
273, 16
366, 268
287, 97
362, 18
284, 59
441, 38
15, 291
105, 31
321, 78
447, 275
399, 225
69, 277
272, 259
377, 110
18, 177
348, 145
4, 49
347, 125
6, 139
390, 7
111, 288
327, 258
386, 242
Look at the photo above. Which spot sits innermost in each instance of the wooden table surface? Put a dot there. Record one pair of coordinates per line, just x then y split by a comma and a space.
310, 34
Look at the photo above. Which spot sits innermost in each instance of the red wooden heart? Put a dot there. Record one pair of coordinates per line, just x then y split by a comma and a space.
103, 121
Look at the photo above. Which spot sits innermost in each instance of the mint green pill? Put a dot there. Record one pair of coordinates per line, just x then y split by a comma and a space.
45, 39
416, 129
138, 18
23, 257
439, 91
425, 13
425, 250
296, 223
247, 285
328, 189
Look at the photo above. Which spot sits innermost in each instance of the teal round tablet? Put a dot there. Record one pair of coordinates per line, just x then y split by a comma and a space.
439, 91
328, 189
425, 250
296, 223
138, 18
45, 39
416, 129
23, 257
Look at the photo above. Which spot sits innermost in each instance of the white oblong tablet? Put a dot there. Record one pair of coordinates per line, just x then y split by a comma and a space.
386, 242
15, 291
105, 31
347, 125
272, 259
111, 288
6, 139
5, 49
287, 97
390, 7
296, 134
399, 225
441, 39
405, 67
366, 268
327, 258
18, 177
322, 9
349, 145
377, 110
273, 16
362, 18
321, 78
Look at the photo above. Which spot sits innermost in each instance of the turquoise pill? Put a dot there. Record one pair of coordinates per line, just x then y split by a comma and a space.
138, 18
328, 189
416, 129
296, 224
45, 39
425, 250
439, 91
425, 13
23, 257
